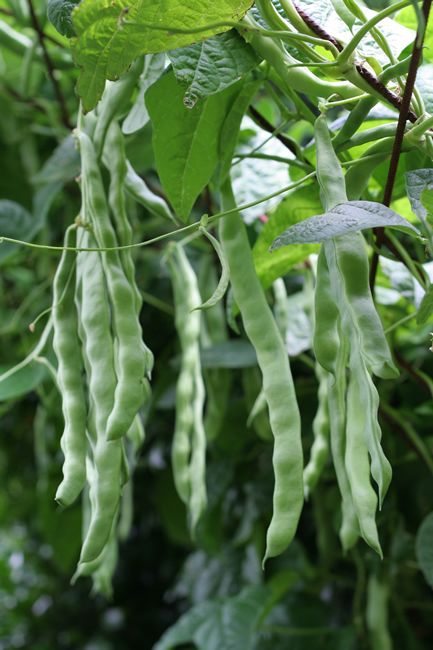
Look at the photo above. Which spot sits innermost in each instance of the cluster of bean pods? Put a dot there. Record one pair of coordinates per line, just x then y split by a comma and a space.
104, 366
350, 346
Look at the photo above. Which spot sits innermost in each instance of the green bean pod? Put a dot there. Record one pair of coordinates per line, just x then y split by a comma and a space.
115, 161
326, 340
358, 468
381, 470
278, 387
213, 331
189, 441
377, 614
337, 386
133, 356
114, 101
319, 453
99, 352
69, 376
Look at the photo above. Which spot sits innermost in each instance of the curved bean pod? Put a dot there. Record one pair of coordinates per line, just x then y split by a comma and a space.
278, 385
133, 358
98, 350
69, 376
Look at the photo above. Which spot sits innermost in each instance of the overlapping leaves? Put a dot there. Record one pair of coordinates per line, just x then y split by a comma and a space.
112, 33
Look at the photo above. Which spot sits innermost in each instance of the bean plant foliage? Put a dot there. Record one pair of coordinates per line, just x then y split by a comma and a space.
216, 227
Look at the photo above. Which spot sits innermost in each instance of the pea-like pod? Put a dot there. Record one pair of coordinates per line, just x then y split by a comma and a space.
358, 468
348, 266
99, 352
213, 330
319, 453
377, 613
114, 158
337, 386
380, 467
133, 357
114, 101
262, 330
326, 339
69, 376
189, 441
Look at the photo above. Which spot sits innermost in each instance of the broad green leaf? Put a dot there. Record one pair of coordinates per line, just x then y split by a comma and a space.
21, 382
344, 218
208, 67
185, 141
424, 83
418, 182
297, 206
112, 33
138, 116
59, 14
15, 222
228, 623
424, 548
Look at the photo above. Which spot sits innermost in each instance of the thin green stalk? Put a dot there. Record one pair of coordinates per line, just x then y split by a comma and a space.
177, 231
349, 49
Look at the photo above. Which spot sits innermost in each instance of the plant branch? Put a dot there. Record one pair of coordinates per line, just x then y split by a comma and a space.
50, 67
267, 126
373, 81
399, 135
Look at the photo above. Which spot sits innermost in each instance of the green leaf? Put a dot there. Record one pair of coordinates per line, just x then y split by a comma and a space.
408, 18
185, 141
15, 222
211, 66
59, 14
228, 623
424, 548
344, 218
418, 182
21, 382
297, 206
112, 33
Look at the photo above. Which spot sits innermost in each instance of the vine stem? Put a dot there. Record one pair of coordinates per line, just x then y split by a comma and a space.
399, 135
177, 231
49, 66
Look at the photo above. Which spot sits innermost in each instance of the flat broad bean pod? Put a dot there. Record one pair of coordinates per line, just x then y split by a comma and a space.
189, 441
262, 330
69, 376
133, 357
